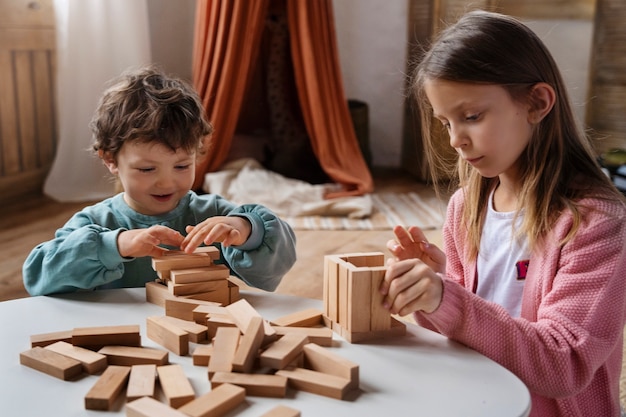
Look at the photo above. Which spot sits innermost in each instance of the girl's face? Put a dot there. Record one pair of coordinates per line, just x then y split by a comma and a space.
153, 176
487, 128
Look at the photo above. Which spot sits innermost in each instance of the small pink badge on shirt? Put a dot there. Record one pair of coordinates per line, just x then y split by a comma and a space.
522, 269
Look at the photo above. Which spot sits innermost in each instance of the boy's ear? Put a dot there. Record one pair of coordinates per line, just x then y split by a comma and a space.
542, 98
108, 160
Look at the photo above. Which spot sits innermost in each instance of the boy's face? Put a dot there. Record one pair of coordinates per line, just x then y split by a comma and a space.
153, 176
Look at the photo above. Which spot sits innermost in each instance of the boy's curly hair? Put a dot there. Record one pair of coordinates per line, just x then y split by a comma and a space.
148, 105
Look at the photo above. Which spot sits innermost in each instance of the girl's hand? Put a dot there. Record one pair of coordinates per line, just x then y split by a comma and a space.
411, 243
411, 285
230, 230
137, 243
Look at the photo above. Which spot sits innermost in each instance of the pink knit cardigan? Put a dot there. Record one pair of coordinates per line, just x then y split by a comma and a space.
567, 345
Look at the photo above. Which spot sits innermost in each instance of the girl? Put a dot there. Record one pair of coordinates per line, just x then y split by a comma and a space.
535, 237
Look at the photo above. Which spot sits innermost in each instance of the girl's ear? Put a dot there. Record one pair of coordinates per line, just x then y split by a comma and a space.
108, 160
542, 98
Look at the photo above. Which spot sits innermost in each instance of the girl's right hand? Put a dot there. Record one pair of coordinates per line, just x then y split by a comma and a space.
411, 243
137, 243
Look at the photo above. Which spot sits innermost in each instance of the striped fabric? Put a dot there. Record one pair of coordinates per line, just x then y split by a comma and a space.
389, 210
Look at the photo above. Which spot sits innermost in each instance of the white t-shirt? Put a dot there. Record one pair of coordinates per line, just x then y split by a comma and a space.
502, 261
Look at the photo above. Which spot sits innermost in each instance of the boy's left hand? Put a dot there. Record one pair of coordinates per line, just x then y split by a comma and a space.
229, 230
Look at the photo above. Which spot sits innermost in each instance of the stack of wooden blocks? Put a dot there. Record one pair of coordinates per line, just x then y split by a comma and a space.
196, 275
353, 304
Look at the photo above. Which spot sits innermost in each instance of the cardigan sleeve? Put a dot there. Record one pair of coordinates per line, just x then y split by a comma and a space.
573, 308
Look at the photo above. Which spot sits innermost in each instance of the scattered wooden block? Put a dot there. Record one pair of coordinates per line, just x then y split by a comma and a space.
202, 354
216, 402
107, 388
175, 385
322, 336
157, 293
133, 355
283, 351
224, 347
167, 335
51, 363
215, 322
141, 382
323, 360
182, 308
282, 411
45, 339
197, 332
91, 361
259, 385
306, 318
200, 313
95, 338
149, 407
242, 312
248, 349
317, 382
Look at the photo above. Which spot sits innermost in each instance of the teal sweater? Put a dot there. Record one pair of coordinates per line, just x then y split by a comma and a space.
84, 254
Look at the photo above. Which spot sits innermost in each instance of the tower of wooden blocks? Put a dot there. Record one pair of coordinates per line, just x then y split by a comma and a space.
353, 303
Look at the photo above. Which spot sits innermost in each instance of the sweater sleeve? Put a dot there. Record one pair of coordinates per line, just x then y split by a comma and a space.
268, 254
82, 255
573, 309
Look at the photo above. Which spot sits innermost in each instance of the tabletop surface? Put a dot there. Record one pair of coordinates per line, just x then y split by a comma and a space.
421, 373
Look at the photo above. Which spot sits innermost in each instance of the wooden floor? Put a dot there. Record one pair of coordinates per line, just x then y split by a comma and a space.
34, 219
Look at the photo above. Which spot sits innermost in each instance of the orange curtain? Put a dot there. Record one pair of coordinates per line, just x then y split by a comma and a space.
227, 40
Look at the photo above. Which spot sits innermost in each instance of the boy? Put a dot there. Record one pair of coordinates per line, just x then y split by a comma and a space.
148, 130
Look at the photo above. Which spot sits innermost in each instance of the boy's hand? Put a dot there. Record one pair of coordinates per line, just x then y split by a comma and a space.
411, 285
230, 230
137, 243
411, 243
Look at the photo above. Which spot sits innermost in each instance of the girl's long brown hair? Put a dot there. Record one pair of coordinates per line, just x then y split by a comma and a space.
558, 167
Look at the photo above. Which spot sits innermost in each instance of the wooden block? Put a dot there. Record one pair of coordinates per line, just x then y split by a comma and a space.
215, 322
134, 355
365, 259
282, 411
248, 349
45, 339
197, 287
322, 336
170, 262
202, 354
397, 329
141, 382
324, 360
96, 337
216, 402
317, 382
157, 293
200, 313
149, 407
182, 308
107, 388
306, 318
220, 296
283, 351
211, 251
358, 300
380, 318
197, 332
242, 312
51, 363
259, 385
342, 294
224, 347
91, 361
207, 273
165, 334
175, 385
233, 292
331, 287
